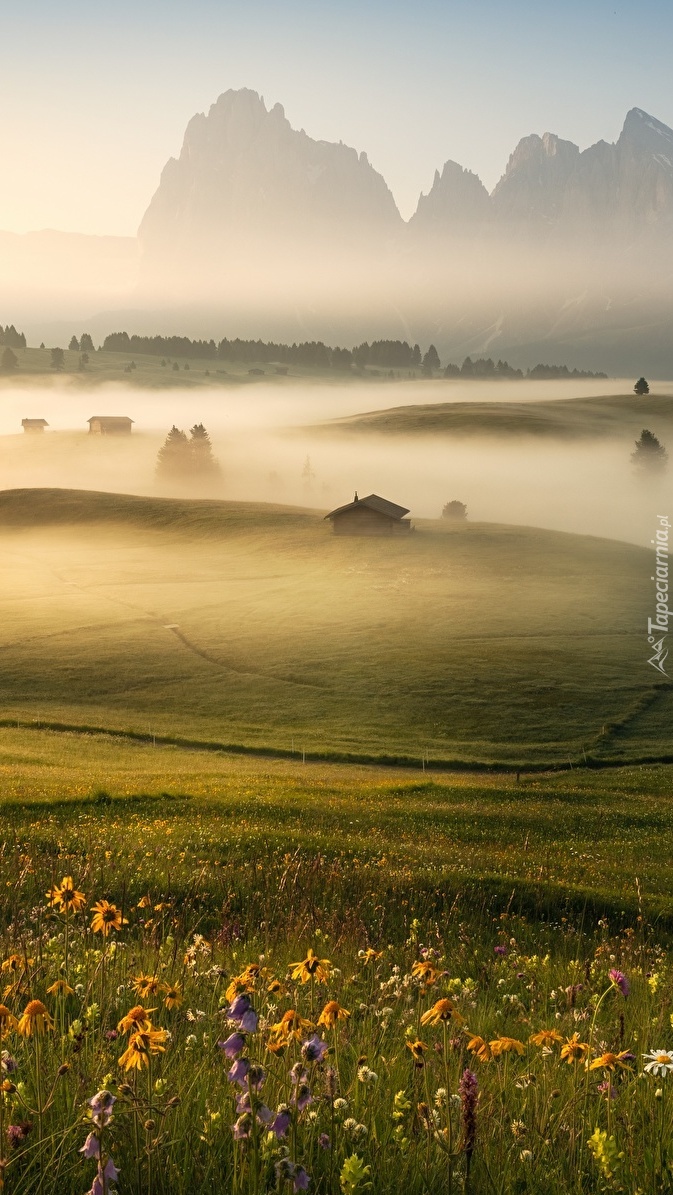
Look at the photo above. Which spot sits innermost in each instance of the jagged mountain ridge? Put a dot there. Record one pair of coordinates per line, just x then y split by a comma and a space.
288, 237
245, 172
621, 189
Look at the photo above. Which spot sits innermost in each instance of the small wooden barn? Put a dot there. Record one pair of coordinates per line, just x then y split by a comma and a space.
369, 516
34, 425
110, 425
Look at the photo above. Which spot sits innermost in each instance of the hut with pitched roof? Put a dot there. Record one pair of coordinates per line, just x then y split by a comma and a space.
369, 516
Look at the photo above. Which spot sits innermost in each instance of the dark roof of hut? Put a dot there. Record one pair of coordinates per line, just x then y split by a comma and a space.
381, 505
111, 419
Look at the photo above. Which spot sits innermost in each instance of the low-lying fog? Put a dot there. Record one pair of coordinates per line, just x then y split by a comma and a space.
263, 440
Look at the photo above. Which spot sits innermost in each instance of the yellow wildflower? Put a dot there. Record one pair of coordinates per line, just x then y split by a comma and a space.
34, 1019
291, 1027
425, 971
369, 955
146, 985
477, 1045
173, 995
611, 1062
65, 897
60, 987
311, 967
506, 1045
135, 1019
7, 1019
441, 1012
331, 1013
574, 1050
106, 917
141, 1045
546, 1037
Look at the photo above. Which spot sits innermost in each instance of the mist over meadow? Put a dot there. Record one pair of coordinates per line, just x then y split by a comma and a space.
273, 446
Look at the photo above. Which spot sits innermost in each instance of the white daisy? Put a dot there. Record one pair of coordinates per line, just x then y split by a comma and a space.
660, 1062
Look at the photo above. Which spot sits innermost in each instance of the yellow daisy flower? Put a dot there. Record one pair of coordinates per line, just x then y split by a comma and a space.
34, 1019
60, 987
331, 1013
311, 967
441, 1012
141, 1045
106, 917
135, 1019
65, 897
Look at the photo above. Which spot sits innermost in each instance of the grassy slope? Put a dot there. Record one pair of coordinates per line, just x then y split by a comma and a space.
35, 366
552, 841
572, 418
481, 642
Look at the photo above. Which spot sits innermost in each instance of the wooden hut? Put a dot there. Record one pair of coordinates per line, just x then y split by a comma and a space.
110, 425
369, 516
34, 425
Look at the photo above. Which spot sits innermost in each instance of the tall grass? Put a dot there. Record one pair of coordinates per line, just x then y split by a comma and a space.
497, 905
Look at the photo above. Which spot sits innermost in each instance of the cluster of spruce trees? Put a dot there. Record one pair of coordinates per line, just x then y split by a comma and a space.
83, 345
383, 354
485, 367
187, 458
10, 338
388, 353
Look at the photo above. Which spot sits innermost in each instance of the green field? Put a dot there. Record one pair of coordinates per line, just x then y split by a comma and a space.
251, 625
393, 845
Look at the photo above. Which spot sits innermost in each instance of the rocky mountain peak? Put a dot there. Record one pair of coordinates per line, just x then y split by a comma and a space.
245, 175
457, 198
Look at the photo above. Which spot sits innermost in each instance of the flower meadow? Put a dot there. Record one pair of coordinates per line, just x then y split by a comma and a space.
140, 1054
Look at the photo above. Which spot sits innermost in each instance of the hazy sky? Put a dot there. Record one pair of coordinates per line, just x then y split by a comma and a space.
95, 96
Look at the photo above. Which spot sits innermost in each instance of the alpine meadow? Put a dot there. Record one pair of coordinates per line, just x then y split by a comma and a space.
336, 696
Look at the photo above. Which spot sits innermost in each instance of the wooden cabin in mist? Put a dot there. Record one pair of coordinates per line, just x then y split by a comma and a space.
33, 426
110, 425
369, 516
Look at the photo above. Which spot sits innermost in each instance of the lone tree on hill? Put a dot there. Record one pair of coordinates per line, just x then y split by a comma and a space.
455, 510
57, 359
203, 460
9, 361
641, 386
650, 455
430, 361
74, 344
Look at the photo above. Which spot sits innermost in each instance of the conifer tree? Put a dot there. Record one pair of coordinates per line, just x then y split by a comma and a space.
174, 460
650, 455
57, 359
641, 386
86, 343
203, 461
416, 356
74, 344
430, 361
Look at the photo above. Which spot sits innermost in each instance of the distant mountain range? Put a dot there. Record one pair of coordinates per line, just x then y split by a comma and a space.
257, 230
245, 173
285, 236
